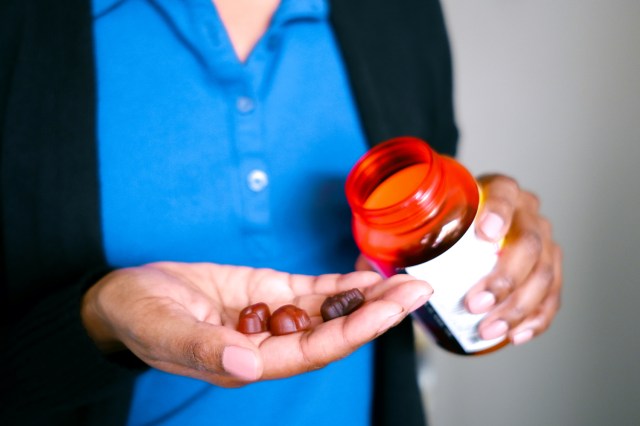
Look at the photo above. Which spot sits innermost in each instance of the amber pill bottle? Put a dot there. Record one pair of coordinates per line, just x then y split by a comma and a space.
414, 212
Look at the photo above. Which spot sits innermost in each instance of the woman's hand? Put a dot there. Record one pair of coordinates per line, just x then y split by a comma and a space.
522, 293
181, 318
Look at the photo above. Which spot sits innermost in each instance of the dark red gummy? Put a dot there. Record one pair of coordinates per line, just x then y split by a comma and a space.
288, 319
254, 319
341, 304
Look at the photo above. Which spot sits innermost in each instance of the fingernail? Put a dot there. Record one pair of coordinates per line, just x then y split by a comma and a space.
420, 301
491, 226
522, 337
494, 330
240, 362
481, 302
391, 321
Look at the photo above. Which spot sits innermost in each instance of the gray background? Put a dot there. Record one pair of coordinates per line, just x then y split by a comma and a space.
549, 92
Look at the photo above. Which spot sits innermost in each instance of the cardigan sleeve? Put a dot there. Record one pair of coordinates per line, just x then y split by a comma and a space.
49, 222
49, 364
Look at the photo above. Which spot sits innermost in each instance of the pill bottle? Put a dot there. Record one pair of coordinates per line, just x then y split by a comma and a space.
414, 212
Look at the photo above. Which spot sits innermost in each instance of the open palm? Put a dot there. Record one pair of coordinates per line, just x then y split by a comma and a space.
181, 318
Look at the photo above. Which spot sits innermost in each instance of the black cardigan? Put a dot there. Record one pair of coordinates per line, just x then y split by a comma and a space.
398, 60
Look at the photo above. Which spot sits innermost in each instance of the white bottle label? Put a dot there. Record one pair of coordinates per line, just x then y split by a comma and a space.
451, 275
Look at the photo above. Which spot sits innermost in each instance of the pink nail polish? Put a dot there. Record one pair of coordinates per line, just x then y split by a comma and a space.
240, 362
522, 337
482, 302
494, 330
491, 226
391, 321
420, 301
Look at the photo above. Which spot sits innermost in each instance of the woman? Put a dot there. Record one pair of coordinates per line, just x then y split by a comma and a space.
211, 135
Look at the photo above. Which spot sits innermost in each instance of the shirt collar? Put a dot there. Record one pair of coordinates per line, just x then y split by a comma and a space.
289, 10
101, 7
293, 10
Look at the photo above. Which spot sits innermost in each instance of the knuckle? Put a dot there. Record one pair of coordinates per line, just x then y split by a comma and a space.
546, 275
558, 302
506, 181
516, 314
198, 354
545, 226
505, 184
510, 184
543, 325
485, 178
557, 264
548, 315
501, 286
558, 253
501, 203
530, 199
532, 242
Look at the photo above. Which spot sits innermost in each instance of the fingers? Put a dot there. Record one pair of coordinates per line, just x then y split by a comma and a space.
541, 319
503, 205
332, 283
332, 340
522, 293
362, 264
527, 253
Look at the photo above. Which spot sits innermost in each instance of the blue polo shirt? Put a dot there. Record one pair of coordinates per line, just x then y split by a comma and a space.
205, 158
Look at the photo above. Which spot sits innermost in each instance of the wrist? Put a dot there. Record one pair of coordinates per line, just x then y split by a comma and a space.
95, 321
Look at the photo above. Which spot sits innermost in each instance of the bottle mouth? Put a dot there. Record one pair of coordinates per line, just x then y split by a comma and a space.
408, 198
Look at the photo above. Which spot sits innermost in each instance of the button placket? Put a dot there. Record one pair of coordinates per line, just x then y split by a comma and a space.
254, 174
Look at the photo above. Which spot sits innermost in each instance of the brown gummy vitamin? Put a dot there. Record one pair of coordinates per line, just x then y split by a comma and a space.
250, 324
288, 319
341, 304
254, 319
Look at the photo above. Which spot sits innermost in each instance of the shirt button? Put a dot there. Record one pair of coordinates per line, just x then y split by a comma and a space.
257, 180
245, 104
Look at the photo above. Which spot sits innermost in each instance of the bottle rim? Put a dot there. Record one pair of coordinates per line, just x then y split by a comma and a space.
381, 162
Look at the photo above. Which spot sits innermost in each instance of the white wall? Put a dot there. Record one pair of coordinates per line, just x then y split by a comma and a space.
549, 92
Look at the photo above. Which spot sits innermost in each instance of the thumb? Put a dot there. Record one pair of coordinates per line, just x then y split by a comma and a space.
241, 362
500, 196
212, 352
